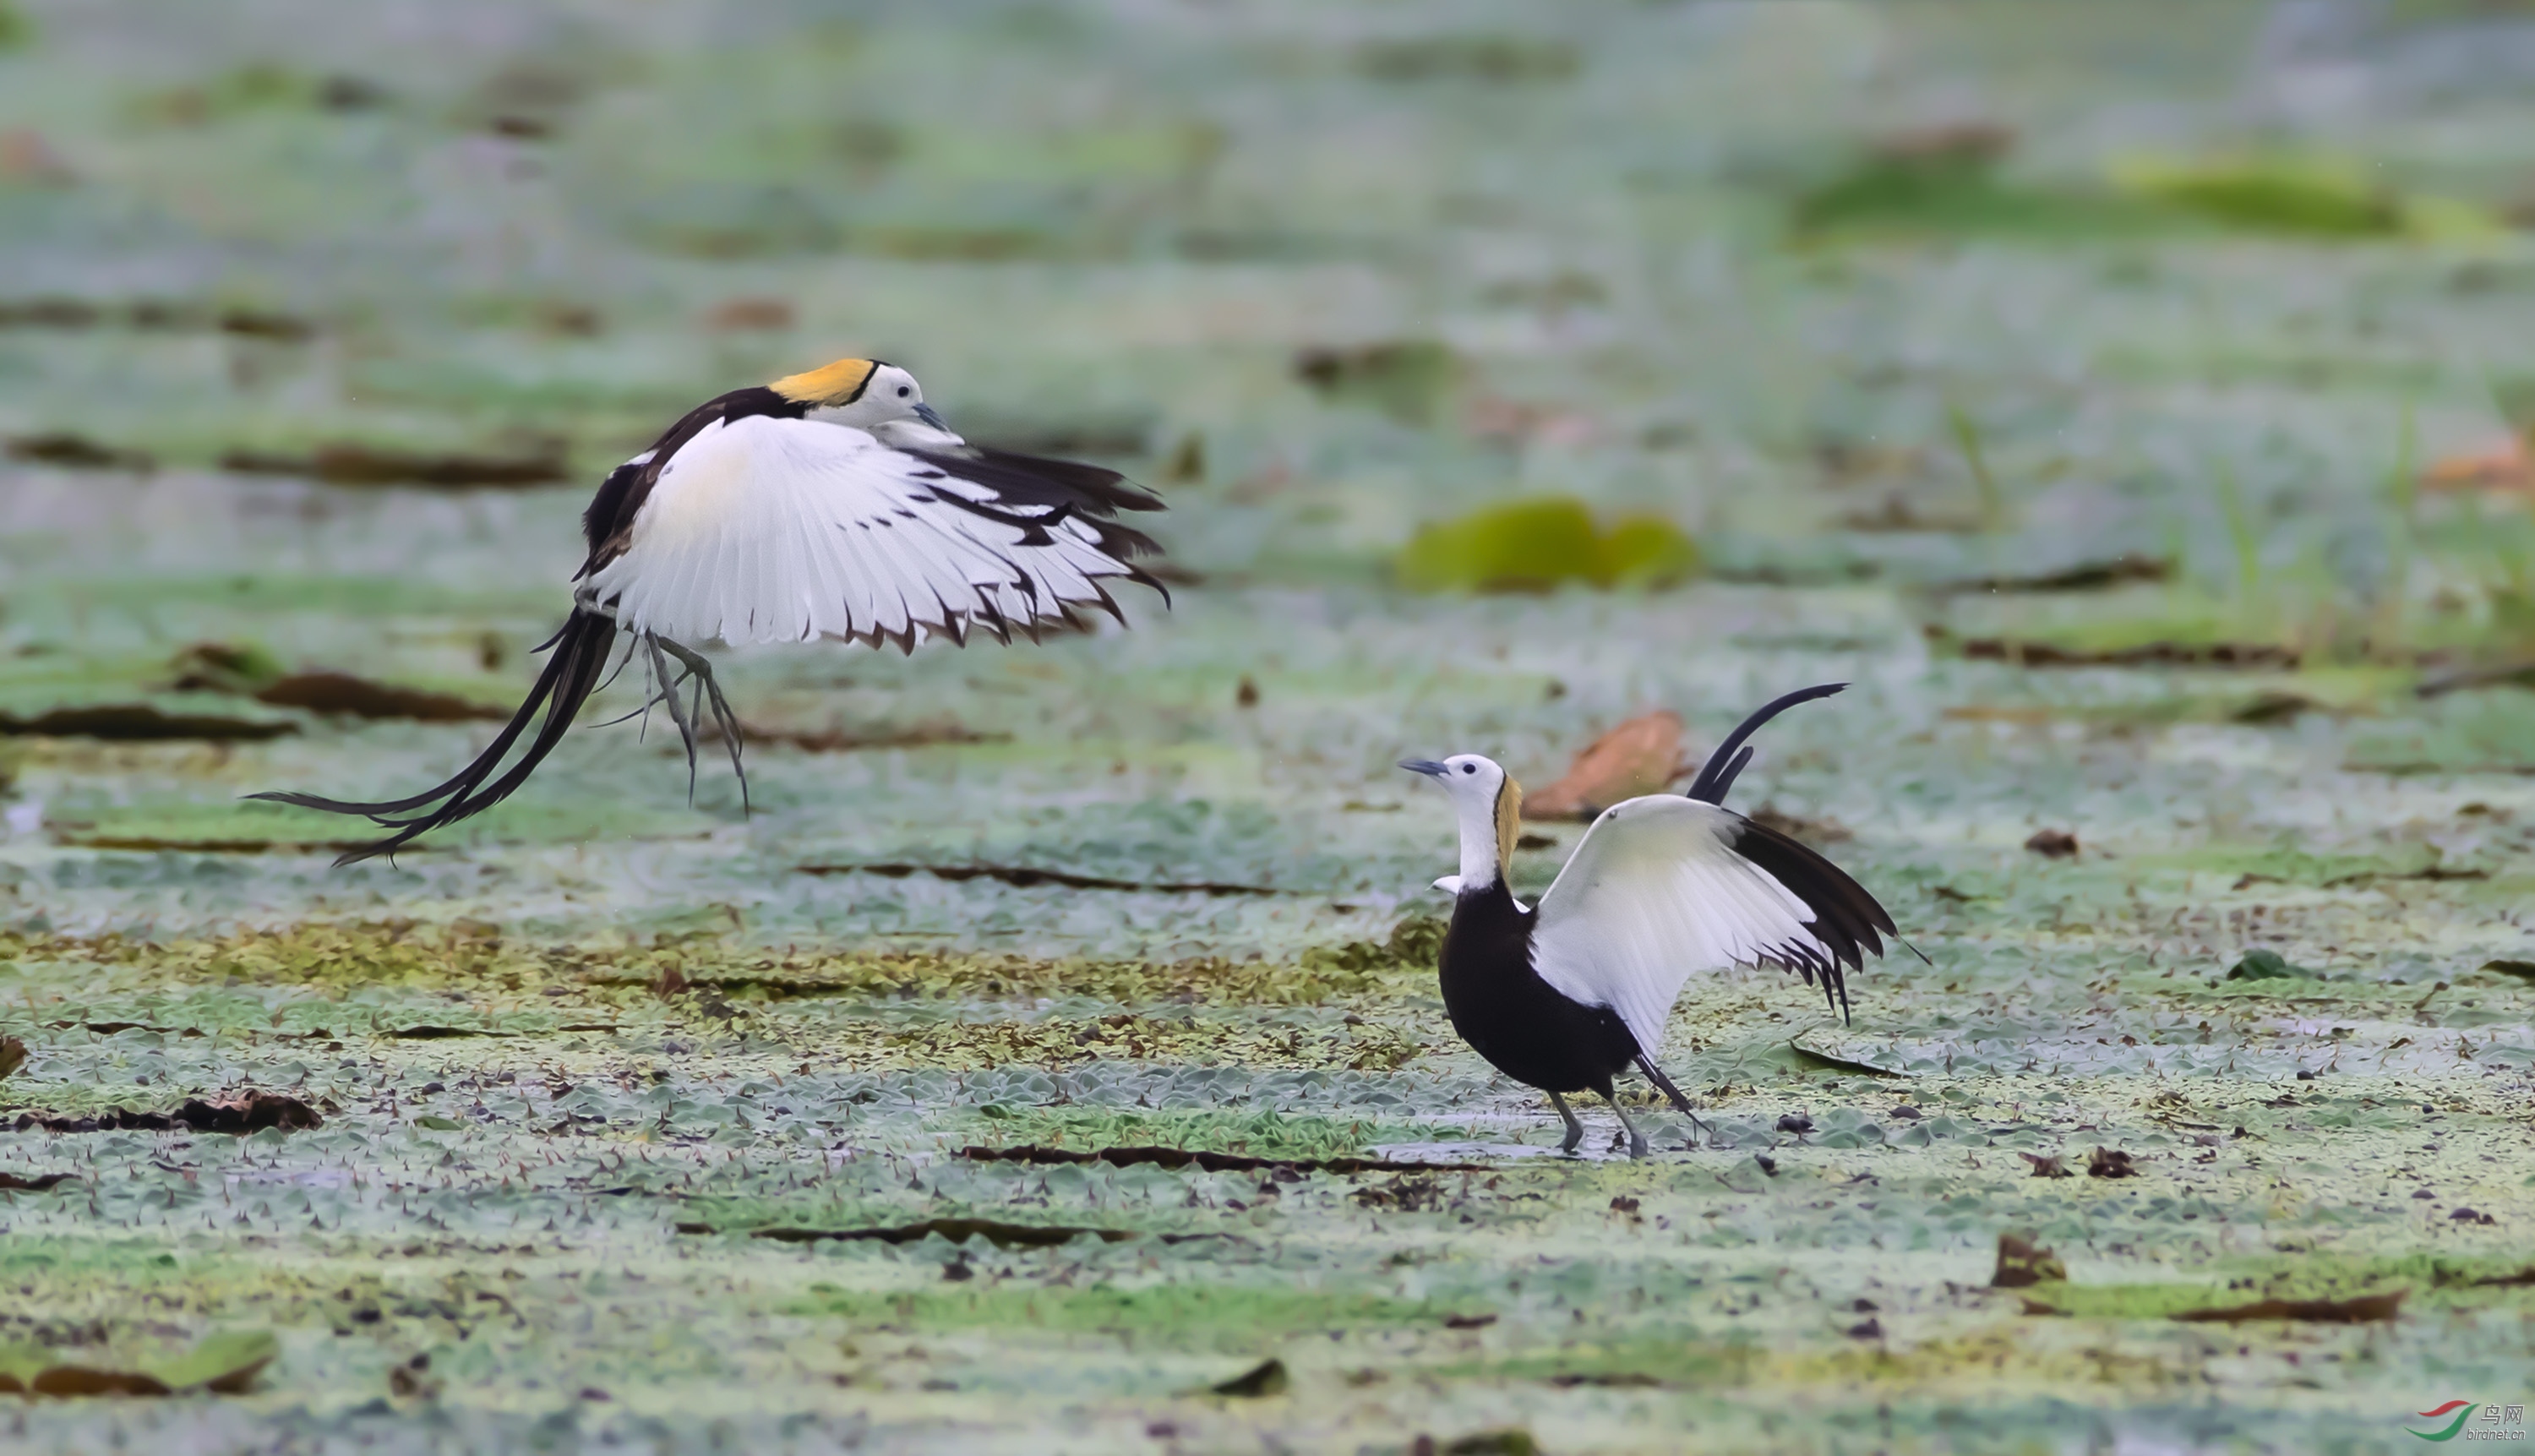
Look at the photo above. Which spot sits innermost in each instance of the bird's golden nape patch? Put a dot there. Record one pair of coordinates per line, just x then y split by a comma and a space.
1508, 823
839, 383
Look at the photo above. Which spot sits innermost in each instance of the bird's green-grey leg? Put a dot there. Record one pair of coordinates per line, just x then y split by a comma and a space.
1636, 1139
724, 720
670, 684
1664, 1085
1575, 1129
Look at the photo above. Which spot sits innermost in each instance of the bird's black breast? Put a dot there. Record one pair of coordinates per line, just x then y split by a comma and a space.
1523, 1025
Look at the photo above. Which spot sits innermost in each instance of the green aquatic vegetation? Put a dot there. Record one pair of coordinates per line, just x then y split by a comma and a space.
1536, 545
1958, 192
2288, 195
1213, 1313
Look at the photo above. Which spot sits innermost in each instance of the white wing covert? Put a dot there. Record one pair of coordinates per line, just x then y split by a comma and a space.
1663, 886
765, 528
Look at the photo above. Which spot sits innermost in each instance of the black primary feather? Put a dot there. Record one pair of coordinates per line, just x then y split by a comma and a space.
1065, 489
1846, 917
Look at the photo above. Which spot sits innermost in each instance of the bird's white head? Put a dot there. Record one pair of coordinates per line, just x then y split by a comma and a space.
869, 395
1488, 805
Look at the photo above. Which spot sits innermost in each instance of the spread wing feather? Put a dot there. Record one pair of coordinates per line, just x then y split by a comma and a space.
1664, 886
771, 530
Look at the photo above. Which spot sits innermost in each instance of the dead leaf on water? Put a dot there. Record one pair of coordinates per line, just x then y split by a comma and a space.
1268, 1377
225, 1364
2022, 1264
1211, 1161
2110, 1162
2503, 467
1639, 756
245, 1113
2365, 1310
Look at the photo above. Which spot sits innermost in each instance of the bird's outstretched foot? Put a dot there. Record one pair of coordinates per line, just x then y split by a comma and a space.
704, 696
1575, 1130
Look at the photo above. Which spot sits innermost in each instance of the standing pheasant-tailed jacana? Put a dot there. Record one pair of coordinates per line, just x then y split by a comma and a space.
828, 504
1565, 996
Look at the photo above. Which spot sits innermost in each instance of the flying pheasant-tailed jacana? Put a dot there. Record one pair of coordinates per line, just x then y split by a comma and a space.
828, 504
1565, 996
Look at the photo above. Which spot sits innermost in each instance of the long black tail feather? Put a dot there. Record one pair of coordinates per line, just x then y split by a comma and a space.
1725, 764
580, 662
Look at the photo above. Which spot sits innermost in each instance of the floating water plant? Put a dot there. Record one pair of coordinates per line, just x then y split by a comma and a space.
1535, 546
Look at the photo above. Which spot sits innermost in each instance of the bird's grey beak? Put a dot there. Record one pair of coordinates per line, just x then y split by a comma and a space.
1427, 766
925, 413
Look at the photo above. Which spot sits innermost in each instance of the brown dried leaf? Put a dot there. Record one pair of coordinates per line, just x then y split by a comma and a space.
1639, 756
2502, 466
2053, 844
2022, 1264
2109, 1163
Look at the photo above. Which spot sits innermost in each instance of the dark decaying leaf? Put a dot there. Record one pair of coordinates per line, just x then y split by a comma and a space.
11, 1183
1268, 1377
2047, 1166
245, 1113
958, 1230
2364, 1309
76, 452
2090, 576
1211, 1161
2053, 844
370, 464
2520, 1280
2022, 1263
838, 739
340, 694
13, 1054
1026, 876
141, 722
2110, 1162
2023, 654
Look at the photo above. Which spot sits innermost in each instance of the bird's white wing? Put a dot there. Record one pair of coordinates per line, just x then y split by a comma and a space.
1664, 886
765, 528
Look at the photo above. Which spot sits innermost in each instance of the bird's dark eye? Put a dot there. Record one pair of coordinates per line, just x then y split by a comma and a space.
902, 390
1470, 768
